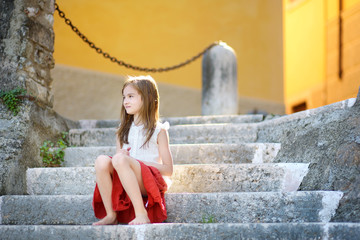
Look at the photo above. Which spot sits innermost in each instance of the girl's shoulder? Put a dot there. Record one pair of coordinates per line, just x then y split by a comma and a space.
160, 125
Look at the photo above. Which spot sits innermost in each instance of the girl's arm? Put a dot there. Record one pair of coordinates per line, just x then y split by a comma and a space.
118, 148
166, 168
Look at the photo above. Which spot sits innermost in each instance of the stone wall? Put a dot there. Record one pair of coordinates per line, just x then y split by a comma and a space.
26, 48
20, 140
328, 138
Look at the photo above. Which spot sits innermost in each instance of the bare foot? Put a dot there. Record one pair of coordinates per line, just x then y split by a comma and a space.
108, 220
141, 219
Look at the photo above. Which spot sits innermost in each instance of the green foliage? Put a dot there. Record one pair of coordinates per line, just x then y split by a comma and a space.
53, 154
208, 218
12, 100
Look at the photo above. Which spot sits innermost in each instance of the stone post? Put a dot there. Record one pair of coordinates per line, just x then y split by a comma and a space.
219, 81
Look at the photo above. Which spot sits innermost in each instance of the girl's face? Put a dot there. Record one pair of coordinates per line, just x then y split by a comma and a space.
132, 100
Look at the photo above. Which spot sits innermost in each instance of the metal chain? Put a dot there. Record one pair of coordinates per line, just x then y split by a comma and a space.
122, 63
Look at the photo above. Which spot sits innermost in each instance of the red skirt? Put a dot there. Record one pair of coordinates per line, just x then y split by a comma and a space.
154, 202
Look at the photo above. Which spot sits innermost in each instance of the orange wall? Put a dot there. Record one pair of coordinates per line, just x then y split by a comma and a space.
161, 33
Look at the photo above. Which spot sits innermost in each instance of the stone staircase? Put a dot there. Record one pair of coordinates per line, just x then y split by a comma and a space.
225, 186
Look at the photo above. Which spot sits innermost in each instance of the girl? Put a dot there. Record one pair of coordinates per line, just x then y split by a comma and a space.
129, 186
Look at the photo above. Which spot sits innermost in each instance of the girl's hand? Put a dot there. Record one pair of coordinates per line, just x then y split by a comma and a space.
126, 152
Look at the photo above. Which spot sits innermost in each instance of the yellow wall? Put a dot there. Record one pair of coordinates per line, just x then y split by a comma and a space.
160, 33
312, 55
347, 4
304, 49
347, 86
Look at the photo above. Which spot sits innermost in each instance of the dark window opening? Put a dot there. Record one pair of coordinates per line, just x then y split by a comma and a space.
300, 107
340, 40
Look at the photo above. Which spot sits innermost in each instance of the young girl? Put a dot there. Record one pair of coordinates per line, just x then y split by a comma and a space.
129, 186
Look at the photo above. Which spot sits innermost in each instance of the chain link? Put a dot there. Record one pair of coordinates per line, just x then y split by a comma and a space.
122, 63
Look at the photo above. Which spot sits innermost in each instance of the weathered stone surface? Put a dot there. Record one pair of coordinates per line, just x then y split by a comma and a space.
327, 138
85, 156
6, 10
175, 231
43, 35
21, 138
180, 120
186, 153
26, 46
265, 207
219, 81
344, 231
254, 207
213, 133
224, 153
186, 178
237, 177
92, 137
214, 119
197, 133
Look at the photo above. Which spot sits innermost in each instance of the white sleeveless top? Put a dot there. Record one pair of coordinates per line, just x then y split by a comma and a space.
149, 152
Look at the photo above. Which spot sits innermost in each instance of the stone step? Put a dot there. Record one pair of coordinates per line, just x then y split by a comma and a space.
180, 120
187, 153
186, 178
264, 207
180, 134
189, 231
296, 123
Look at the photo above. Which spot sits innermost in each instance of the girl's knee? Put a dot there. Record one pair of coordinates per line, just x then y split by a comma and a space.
103, 162
120, 160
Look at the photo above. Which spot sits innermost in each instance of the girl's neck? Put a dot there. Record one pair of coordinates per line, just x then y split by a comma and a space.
137, 120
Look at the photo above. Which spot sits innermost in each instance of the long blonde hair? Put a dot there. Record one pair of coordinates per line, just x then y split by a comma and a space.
149, 112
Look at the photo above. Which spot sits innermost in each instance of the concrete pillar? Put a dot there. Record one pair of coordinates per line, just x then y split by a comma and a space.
219, 81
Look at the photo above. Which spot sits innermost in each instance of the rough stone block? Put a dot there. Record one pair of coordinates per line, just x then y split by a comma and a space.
326, 138
202, 133
191, 231
20, 139
265, 207
343, 231
181, 120
186, 178
213, 133
187, 153
41, 35
38, 90
214, 119
237, 177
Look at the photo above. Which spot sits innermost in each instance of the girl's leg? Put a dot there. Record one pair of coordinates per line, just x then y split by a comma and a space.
104, 170
129, 171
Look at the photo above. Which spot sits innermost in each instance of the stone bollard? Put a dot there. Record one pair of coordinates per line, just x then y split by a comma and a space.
219, 81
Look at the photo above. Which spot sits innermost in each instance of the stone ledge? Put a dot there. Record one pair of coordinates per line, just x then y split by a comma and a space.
342, 105
328, 139
199, 133
265, 207
86, 124
195, 231
187, 153
21, 137
186, 178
